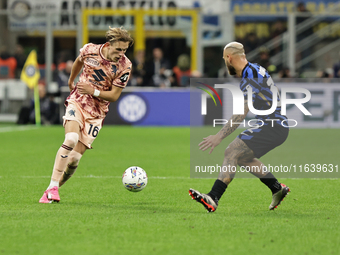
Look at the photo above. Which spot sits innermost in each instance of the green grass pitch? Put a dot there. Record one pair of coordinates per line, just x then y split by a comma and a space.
97, 215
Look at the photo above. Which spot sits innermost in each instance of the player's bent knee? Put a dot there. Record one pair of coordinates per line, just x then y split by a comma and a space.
71, 139
243, 162
227, 151
74, 158
230, 150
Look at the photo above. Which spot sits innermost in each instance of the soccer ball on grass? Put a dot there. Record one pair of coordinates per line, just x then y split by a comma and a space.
134, 179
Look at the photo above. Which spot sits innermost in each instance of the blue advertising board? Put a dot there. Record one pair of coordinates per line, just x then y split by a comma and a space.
153, 107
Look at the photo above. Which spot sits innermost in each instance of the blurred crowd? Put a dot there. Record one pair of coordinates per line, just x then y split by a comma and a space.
154, 72
157, 70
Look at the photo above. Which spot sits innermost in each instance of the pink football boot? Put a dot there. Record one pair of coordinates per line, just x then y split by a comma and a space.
50, 196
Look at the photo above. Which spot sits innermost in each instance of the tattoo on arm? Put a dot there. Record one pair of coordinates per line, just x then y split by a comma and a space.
230, 126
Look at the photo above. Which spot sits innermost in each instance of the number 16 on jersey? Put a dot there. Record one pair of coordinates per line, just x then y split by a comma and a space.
93, 130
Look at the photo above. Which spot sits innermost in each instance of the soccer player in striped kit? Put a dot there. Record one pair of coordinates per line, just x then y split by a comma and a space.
106, 71
253, 143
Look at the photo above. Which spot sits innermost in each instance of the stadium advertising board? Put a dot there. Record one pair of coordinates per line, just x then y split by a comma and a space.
275, 7
23, 17
151, 107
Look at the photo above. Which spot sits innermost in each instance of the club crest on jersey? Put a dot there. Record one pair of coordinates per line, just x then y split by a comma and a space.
72, 113
124, 77
92, 62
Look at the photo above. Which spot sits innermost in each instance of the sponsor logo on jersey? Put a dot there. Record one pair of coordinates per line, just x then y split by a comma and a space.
92, 62
124, 77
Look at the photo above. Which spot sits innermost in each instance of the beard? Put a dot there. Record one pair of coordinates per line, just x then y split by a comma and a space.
231, 69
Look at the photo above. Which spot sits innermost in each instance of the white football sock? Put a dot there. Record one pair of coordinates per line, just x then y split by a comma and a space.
53, 184
71, 139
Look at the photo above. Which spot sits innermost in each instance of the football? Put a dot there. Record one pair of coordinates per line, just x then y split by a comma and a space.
134, 179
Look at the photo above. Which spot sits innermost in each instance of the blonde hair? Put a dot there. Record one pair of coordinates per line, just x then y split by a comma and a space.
115, 34
236, 48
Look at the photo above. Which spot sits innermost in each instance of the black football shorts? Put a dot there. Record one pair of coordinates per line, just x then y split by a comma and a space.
263, 139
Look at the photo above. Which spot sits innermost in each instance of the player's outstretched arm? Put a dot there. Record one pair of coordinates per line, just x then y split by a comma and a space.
214, 140
76, 68
111, 95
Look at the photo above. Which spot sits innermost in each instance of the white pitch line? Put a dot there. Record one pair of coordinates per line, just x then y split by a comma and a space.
16, 128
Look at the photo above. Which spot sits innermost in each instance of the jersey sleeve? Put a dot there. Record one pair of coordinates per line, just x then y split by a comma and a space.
122, 79
83, 51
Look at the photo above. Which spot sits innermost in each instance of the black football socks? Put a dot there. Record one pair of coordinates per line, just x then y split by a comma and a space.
271, 182
217, 190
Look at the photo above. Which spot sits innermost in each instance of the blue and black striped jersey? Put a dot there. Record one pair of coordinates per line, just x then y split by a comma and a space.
258, 78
